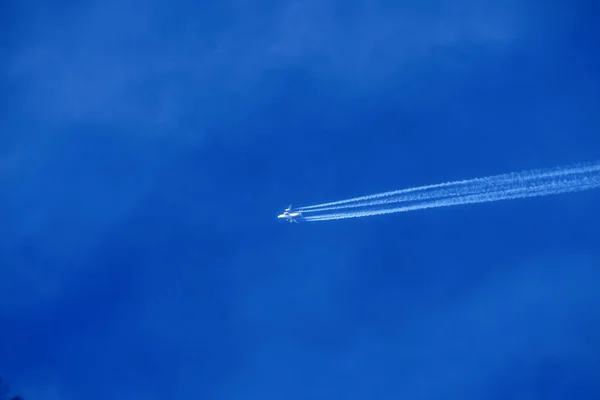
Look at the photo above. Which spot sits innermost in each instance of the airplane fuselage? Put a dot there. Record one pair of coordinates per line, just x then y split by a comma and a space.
289, 215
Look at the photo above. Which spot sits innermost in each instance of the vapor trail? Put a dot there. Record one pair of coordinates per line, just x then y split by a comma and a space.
478, 190
446, 189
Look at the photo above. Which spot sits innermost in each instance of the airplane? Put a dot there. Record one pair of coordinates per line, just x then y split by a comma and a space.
290, 215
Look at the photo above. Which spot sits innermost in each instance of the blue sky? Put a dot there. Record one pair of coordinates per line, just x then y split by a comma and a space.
146, 148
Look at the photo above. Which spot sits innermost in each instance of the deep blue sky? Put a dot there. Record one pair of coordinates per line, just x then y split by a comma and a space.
146, 148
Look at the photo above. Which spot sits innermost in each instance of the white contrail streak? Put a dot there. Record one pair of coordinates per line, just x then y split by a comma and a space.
361, 199
444, 189
479, 190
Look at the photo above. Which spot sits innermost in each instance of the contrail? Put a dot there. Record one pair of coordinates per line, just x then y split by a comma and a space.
479, 190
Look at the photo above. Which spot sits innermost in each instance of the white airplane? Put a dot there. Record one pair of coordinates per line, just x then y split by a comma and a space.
289, 215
